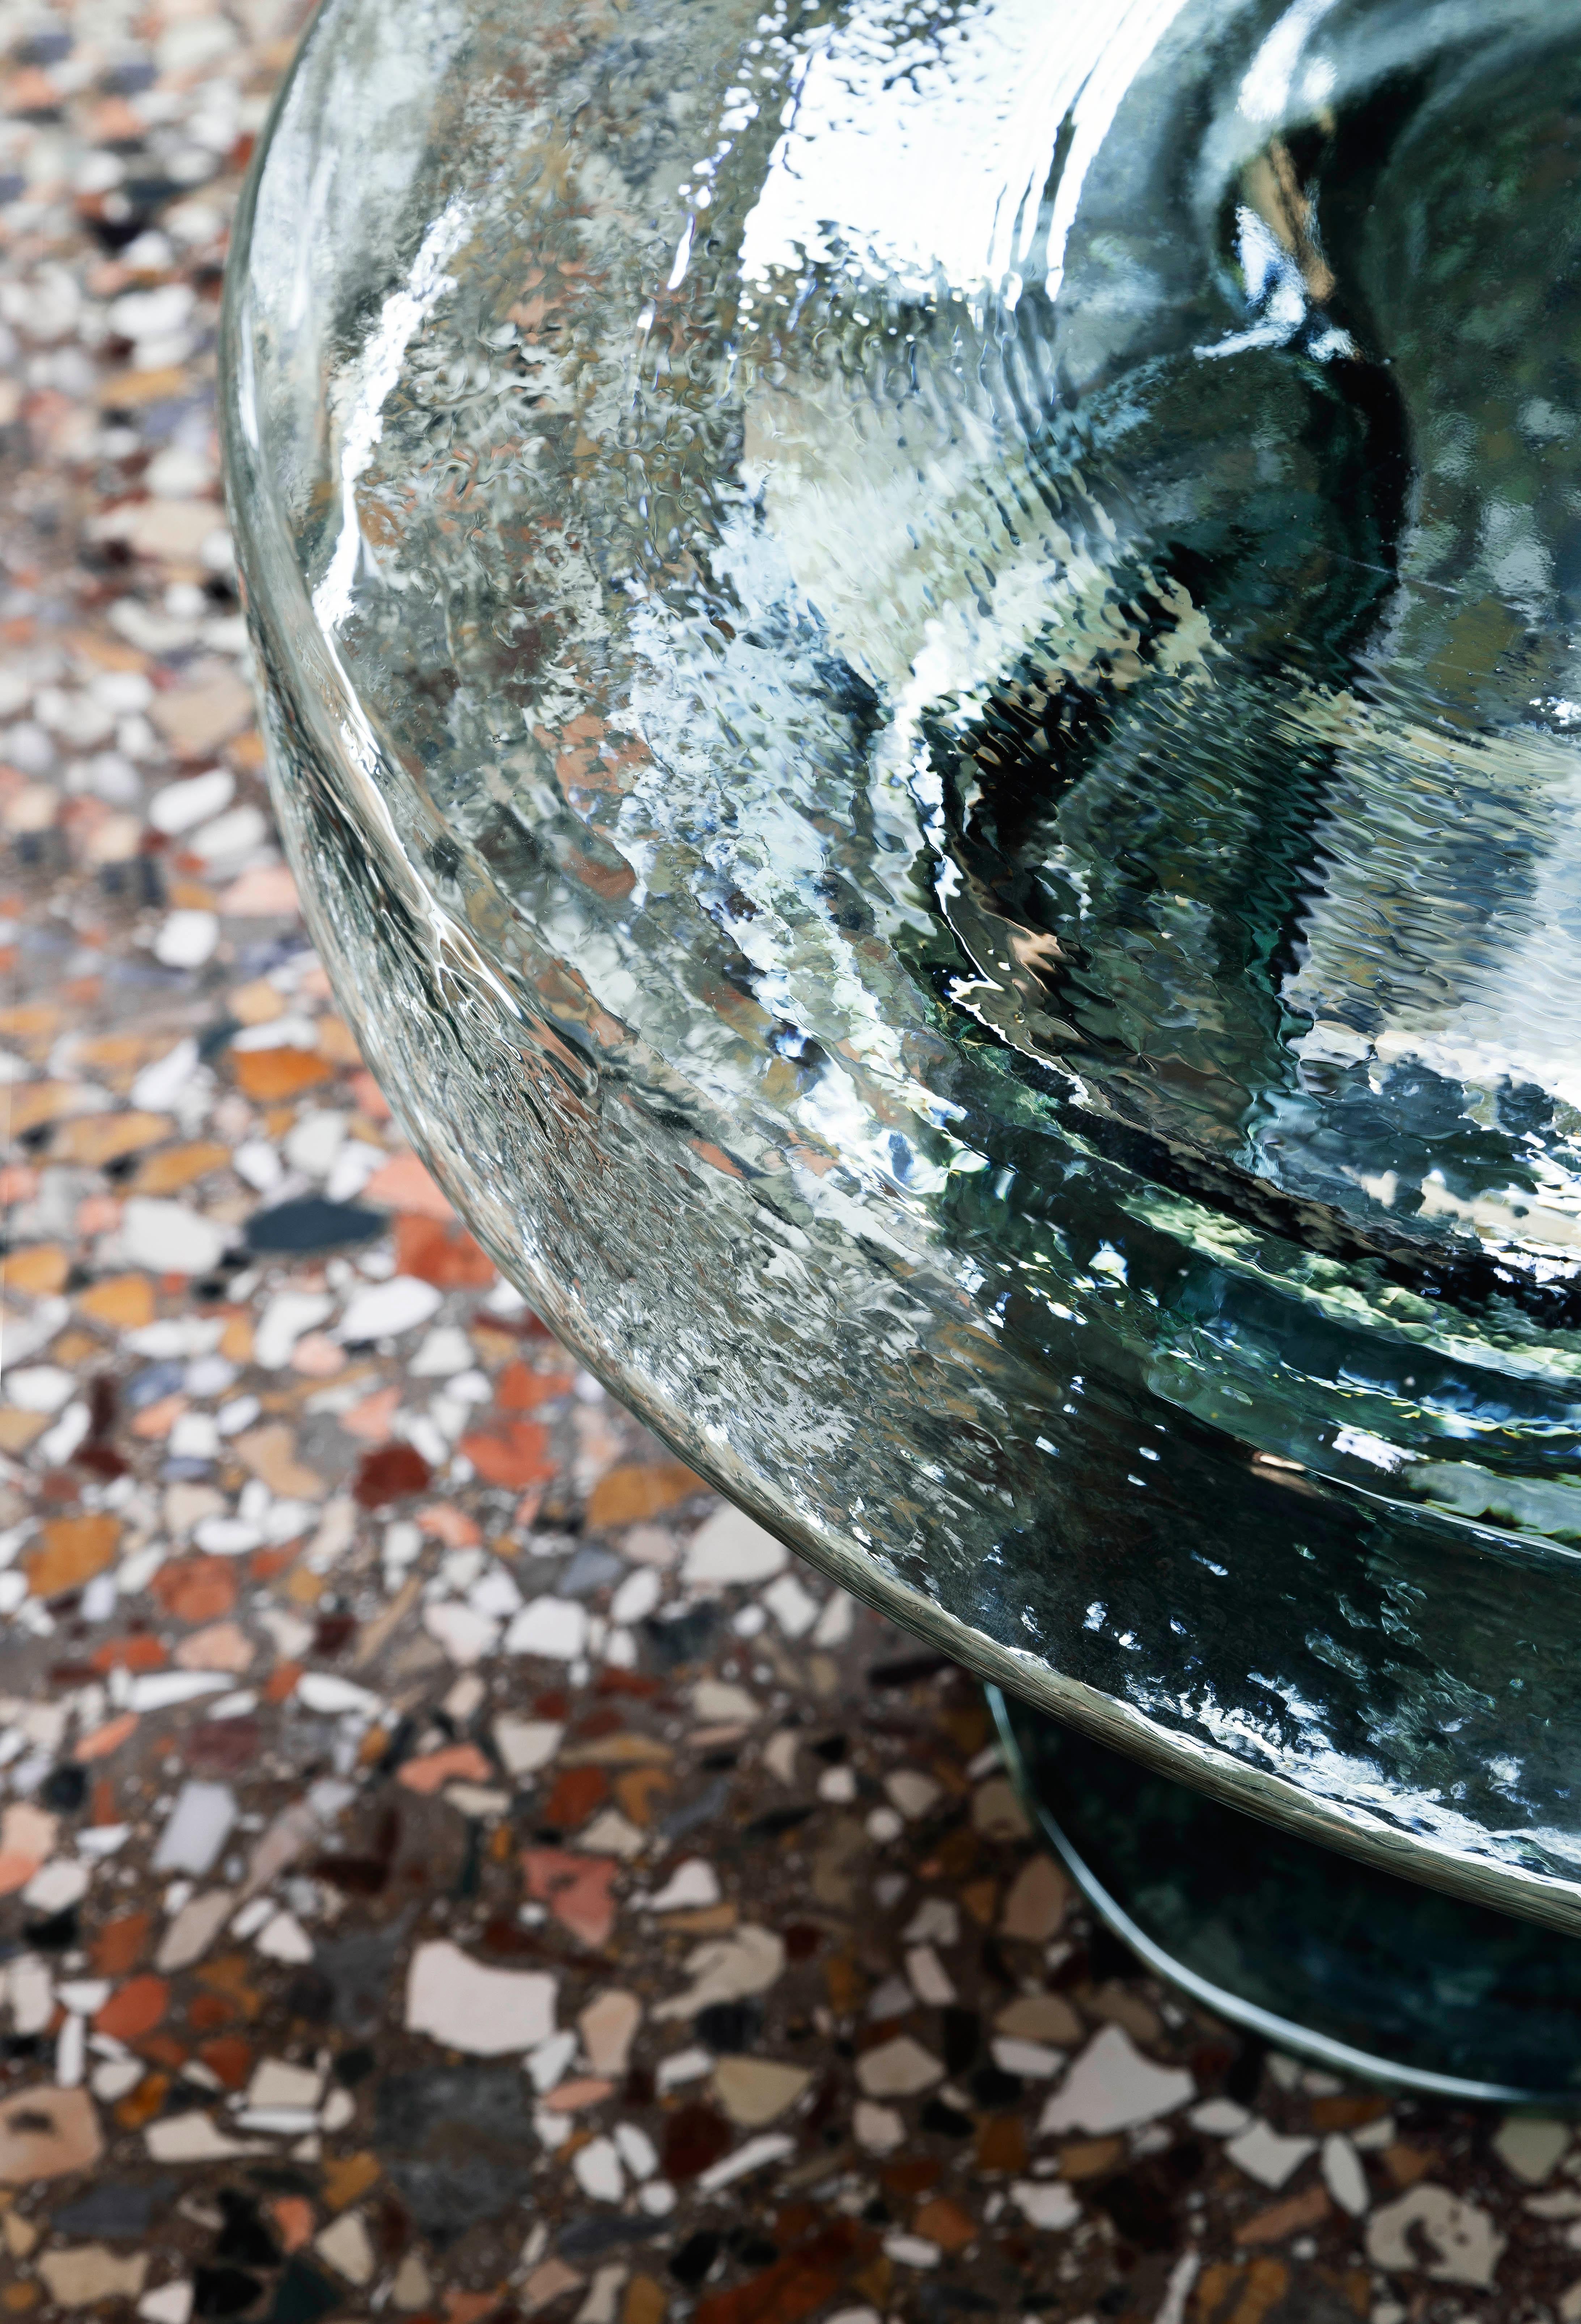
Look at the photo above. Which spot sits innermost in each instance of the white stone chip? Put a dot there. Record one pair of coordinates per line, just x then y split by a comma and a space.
596, 2168
56, 1885
912, 1791
1345, 2175
112, 2078
82, 2274
694, 1885
235, 832
333, 1697
288, 1315
70, 2053
158, 1083
609, 1834
1034, 2062
553, 1627
186, 938
283, 1938
547, 2064
1464, 2245
899, 2069
487, 2012
792, 1605
348, 2248
879, 2130
731, 1548
1045, 2202
169, 1238
728, 1968
912, 2251
1529, 2146
1219, 2117
464, 1634
161, 1690
384, 1310
935, 1921
446, 1351
169, 2303
182, 806
1113, 2087
1266, 2155
194, 2137
638, 2150
688, 2065
834, 1624
716, 1703
83, 1995
602, 2302
754, 2091
772, 2146
526, 1745
637, 1596
276, 2082
39, 1388
197, 1828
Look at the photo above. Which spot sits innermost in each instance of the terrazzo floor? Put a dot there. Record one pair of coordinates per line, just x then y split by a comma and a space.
449, 1866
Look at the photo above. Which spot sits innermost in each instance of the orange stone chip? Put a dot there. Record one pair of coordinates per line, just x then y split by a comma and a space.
181, 1166
195, 1589
230, 2056
294, 2221
36, 1102
121, 1943
348, 2176
457, 1762
515, 1455
40, 1270
92, 1140
441, 1254
637, 1490
267, 1075
105, 1738
134, 2009
124, 1301
73, 1550
403, 1185
944, 2223
1287, 2218
518, 1389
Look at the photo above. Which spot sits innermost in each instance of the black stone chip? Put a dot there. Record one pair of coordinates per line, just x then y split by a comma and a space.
224, 2292
690, 2265
303, 2296
312, 1223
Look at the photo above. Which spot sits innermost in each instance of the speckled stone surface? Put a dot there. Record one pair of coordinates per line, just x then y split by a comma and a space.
450, 1868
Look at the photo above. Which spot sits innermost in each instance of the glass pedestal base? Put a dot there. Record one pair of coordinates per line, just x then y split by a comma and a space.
1324, 1958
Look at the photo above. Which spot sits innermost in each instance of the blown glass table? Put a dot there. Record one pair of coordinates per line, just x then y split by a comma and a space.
920, 665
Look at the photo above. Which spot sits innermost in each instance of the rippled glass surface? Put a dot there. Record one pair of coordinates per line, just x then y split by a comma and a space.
923, 669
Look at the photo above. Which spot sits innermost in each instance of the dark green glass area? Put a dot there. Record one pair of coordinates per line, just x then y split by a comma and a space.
1325, 1958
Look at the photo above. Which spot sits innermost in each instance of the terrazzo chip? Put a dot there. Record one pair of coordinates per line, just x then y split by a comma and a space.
468, 2005
1112, 2086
